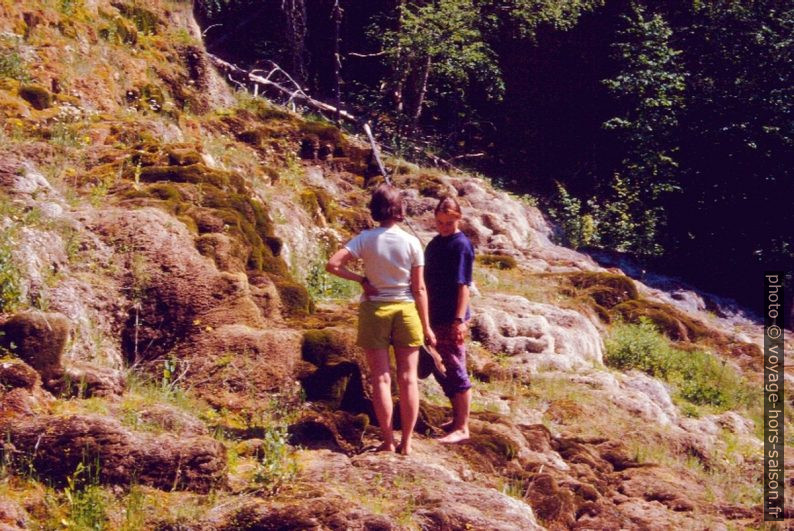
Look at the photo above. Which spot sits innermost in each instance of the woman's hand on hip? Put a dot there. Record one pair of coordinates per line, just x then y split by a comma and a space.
369, 289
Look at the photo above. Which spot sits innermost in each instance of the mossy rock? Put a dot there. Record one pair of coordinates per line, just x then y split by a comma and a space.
497, 261
430, 186
353, 220
671, 322
39, 339
325, 133
146, 21
295, 300
151, 97
190, 223
37, 96
497, 448
194, 173
165, 191
183, 156
606, 289
120, 32
317, 201
346, 430
338, 385
326, 203
326, 345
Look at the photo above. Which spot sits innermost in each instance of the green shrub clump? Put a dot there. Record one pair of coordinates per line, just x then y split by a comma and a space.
498, 261
697, 376
278, 465
10, 288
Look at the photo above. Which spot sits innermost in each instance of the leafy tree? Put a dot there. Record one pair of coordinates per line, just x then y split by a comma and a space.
739, 131
651, 85
436, 48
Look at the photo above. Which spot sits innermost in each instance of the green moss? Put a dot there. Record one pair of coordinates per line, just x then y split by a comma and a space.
272, 173
674, 324
119, 31
295, 299
353, 220
165, 191
151, 97
326, 133
430, 186
498, 261
146, 21
194, 173
320, 346
497, 446
38, 97
316, 201
190, 223
606, 289
275, 266
183, 156
253, 137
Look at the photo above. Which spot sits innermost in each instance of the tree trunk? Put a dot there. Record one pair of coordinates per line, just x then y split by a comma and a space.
336, 15
421, 92
295, 35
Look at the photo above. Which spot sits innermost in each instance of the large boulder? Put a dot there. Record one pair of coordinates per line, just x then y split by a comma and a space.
536, 335
56, 445
39, 339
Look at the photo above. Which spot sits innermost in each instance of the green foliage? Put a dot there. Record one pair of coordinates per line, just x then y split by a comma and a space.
12, 65
324, 286
697, 377
497, 260
436, 52
578, 229
85, 498
651, 83
278, 465
10, 276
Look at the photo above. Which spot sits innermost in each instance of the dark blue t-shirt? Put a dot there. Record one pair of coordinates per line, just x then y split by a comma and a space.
448, 263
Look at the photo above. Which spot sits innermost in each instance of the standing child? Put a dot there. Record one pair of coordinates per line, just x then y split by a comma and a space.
449, 259
393, 311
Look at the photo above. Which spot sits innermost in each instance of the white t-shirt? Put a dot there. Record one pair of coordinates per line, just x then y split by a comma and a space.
388, 255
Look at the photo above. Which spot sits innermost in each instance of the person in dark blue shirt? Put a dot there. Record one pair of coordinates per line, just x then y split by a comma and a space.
449, 260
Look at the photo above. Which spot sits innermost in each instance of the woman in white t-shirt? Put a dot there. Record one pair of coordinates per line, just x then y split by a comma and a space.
393, 310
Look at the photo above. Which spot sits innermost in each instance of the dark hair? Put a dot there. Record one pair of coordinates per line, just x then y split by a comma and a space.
386, 204
449, 205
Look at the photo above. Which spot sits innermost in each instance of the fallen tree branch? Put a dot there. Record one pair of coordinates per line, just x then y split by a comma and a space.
296, 94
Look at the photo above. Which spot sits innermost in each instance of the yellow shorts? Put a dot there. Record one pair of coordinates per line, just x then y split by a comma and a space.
381, 324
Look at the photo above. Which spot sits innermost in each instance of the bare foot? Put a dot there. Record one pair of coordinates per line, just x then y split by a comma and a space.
385, 447
404, 449
455, 437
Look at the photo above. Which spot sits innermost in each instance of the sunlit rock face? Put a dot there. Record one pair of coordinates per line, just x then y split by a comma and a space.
536, 335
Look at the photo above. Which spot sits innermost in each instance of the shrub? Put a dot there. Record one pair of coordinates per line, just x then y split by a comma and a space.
697, 376
10, 288
498, 261
324, 286
278, 465
12, 65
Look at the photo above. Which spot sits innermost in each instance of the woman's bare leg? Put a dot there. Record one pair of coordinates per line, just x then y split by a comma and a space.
378, 360
408, 383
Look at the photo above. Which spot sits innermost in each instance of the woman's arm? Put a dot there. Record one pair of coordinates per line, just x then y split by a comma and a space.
420, 297
337, 266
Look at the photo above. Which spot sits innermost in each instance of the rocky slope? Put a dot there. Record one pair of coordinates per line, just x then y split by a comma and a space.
175, 357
